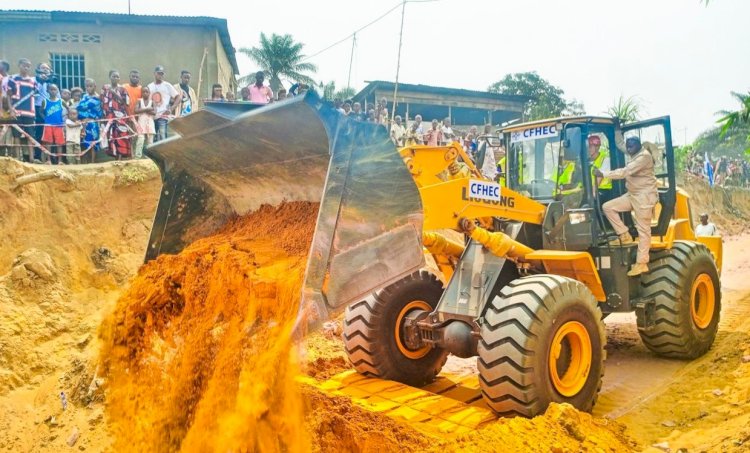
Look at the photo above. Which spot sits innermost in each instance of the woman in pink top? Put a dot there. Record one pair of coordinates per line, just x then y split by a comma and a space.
259, 93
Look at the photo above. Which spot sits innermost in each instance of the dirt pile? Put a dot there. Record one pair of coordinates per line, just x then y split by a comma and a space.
561, 429
727, 207
198, 353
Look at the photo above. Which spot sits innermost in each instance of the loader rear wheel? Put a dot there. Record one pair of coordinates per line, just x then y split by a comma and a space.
683, 283
374, 335
542, 341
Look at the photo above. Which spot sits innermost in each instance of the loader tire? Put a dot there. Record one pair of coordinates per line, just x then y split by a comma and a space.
542, 341
372, 332
683, 284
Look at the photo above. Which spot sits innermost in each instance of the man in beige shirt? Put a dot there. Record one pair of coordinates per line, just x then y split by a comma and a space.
398, 132
641, 198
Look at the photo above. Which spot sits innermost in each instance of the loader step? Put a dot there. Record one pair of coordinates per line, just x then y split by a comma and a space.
449, 405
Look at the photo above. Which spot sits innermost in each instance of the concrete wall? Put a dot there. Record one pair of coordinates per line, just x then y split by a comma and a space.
124, 47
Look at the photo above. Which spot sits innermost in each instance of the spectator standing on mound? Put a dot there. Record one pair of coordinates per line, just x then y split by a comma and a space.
260, 93
188, 101
90, 110
53, 136
165, 97
115, 102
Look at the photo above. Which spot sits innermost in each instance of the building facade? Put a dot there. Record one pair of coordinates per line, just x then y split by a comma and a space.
79, 45
464, 107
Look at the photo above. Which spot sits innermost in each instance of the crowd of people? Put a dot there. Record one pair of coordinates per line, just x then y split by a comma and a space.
42, 123
440, 132
39, 122
722, 172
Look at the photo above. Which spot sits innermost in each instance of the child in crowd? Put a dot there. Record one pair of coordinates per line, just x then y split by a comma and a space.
245, 94
76, 93
230, 96
66, 98
144, 108
53, 137
90, 111
216, 92
73, 131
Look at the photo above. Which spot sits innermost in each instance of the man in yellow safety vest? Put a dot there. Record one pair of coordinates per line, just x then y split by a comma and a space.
599, 158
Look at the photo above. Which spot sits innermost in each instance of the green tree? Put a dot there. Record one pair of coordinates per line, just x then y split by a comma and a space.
627, 110
330, 93
546, 99
346, 93
279, 56
739, 119
328, 90
681, 154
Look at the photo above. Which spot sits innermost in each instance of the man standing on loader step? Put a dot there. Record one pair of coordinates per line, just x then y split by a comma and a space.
641, 198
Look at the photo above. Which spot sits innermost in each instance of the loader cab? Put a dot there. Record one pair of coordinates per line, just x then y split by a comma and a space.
550, 162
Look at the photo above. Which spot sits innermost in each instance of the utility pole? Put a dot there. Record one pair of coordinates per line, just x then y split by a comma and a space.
128, 6
351, 60
398, 62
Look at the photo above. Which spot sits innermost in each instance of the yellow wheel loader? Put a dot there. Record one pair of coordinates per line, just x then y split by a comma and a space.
520, 276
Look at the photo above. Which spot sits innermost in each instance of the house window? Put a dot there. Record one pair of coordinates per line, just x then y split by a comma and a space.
70, 68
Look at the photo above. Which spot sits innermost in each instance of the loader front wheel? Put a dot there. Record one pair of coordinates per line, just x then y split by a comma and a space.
542, 341
683, 285
375, 337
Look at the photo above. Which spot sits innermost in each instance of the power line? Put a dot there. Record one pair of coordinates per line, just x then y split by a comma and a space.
350, 35
398, 62
351, 61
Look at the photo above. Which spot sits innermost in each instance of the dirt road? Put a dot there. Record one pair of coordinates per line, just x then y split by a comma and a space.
701, 405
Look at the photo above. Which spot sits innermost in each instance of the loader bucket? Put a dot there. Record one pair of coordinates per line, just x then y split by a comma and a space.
227, 163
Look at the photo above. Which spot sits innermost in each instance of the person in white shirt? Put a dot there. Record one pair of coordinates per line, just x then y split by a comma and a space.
398, 132
705, 228
165, 98
448, 135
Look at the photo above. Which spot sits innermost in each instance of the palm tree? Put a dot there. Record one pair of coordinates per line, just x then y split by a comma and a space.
737, 118
279, 56
626, 109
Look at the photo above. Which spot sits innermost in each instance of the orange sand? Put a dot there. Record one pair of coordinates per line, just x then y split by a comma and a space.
197, 352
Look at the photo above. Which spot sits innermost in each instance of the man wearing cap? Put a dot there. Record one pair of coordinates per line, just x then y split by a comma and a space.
705, 228
641, 197
165, 97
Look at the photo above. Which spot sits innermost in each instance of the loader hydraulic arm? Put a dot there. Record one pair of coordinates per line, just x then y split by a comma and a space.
444, 186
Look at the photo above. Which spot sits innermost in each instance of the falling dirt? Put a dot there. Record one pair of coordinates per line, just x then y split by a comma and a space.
198, 354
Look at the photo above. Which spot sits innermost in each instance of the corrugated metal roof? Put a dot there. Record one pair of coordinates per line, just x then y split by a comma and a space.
443, 91
80, 16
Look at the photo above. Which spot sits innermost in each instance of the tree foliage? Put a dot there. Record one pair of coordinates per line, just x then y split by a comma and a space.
546, 99
739, 118
627, 110
329, 92
733, 143
279, 56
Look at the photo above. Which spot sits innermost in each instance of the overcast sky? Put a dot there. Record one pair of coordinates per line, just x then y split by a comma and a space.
678, 56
